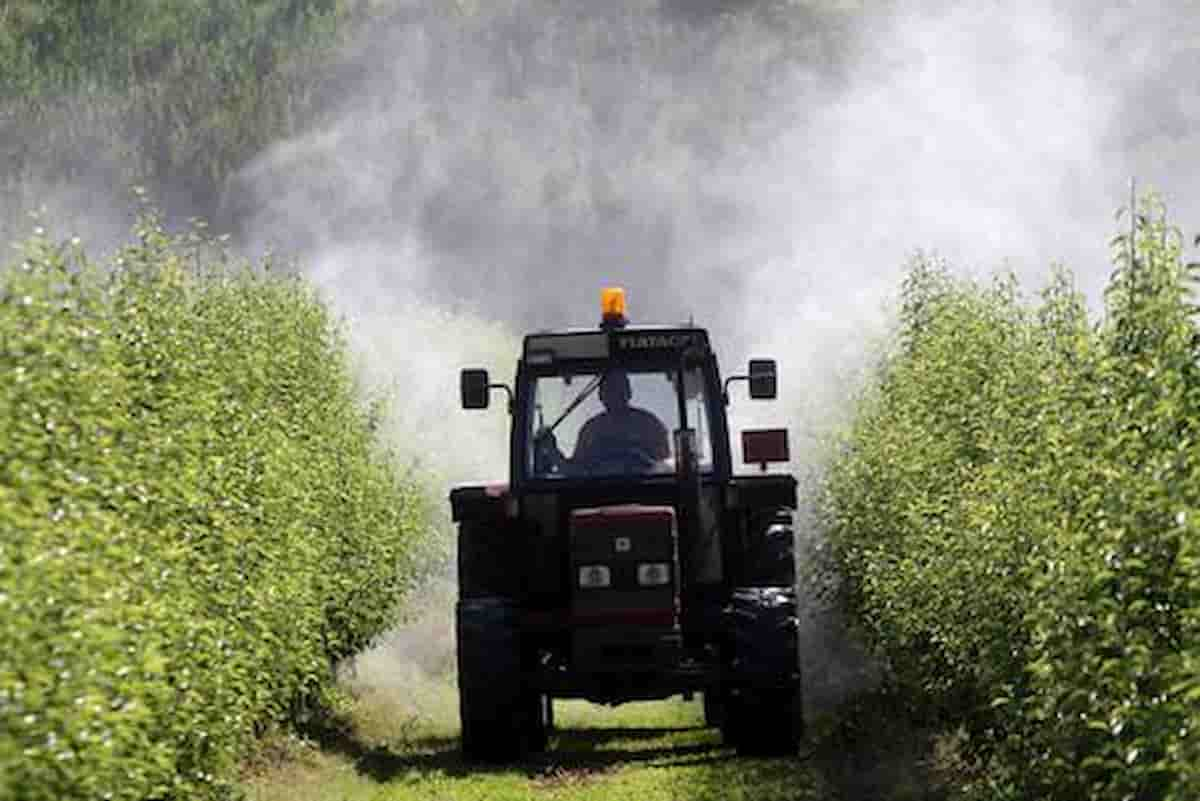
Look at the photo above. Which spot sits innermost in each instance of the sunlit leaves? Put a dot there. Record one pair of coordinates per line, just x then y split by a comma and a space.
1015, 512
194, 519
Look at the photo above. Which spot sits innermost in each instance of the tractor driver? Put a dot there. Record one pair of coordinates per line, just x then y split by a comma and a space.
621, 430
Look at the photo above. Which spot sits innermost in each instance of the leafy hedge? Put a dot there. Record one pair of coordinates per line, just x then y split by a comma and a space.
194, 518
174, 94
1017, 513
47, 46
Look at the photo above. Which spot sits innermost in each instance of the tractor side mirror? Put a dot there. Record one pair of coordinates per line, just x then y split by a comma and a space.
475, 387
762, 379
763, 385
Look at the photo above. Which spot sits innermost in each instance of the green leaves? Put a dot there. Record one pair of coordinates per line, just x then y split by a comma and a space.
52, 45
1015, 516
194, 519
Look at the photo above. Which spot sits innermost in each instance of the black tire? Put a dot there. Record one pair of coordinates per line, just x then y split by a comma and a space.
714, 708
763, 709
771, 560
536, 728
486, 567
764, 722
494, 708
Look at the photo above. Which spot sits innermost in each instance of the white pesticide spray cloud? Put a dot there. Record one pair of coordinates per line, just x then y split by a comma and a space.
998, 137
766, 167
410, 350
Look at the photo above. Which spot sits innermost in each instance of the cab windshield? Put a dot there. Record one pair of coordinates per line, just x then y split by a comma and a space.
614, 422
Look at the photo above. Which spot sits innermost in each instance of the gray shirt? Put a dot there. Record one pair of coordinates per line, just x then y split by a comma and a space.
627, 430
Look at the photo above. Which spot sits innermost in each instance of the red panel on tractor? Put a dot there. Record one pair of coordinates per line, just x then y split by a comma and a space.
607, 515
611, 534
765, 445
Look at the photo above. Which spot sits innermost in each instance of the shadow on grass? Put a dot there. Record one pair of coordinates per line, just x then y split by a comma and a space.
572, 751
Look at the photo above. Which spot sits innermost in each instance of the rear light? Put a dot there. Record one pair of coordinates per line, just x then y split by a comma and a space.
654, 574
594, 576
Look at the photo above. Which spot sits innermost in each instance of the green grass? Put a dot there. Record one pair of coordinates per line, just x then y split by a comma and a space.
397, 739
650, 750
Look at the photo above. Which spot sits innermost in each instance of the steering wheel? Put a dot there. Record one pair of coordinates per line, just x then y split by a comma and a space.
618, 457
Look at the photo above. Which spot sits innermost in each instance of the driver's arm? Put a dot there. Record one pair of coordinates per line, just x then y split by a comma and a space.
583, 445
661, 440
651, 434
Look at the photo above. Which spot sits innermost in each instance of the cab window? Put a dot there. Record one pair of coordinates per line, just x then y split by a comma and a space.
579, 425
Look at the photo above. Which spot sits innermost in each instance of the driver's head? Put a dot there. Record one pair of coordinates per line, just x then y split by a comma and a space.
615, 390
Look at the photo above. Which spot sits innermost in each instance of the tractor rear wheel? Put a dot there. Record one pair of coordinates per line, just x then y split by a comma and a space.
714, 708
763, 710
537, 721
492, 704
765, 722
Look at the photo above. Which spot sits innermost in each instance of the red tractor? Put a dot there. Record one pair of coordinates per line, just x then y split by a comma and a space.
624, 560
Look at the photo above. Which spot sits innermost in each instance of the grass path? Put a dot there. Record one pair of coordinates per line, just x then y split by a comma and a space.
401, 744
653, 751
649, 751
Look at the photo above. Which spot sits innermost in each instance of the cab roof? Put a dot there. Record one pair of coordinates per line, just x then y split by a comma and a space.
640, 342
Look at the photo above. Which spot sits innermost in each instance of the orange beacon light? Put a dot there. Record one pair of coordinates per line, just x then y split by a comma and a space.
612, 307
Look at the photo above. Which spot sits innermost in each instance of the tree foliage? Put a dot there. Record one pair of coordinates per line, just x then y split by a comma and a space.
173, 94
1016, 509
196, 522
55, 45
